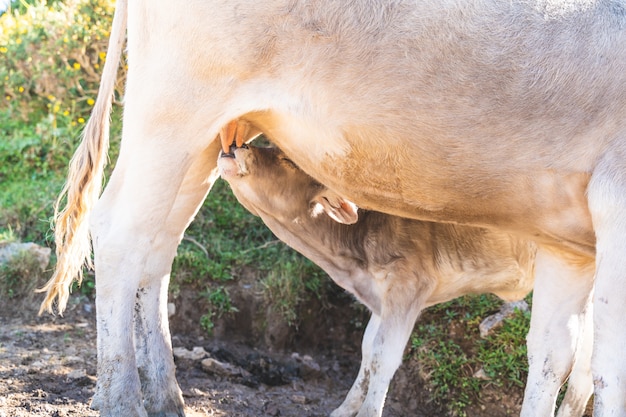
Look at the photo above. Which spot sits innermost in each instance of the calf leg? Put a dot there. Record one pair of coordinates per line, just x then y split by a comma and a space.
560, 299
401, 306
357, 393
607, 204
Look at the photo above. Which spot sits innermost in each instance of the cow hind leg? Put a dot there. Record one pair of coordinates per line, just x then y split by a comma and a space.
560, 299
580, 381
607, 203
136, 225
162, 396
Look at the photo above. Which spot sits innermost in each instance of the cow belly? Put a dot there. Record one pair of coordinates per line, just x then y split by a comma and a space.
544, 205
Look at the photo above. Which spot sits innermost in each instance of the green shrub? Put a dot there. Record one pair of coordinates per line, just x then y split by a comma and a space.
224, 240
51, 55
20, 276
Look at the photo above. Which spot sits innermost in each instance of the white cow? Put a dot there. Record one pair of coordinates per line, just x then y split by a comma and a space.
500, 114
393, 265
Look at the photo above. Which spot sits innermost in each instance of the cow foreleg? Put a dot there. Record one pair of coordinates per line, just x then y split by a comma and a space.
580, 381
607, 204
355, 397
561, 295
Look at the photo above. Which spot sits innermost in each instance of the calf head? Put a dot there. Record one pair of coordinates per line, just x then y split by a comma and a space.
267, 183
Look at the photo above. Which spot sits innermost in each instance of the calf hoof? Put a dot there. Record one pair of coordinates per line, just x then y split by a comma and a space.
343, 411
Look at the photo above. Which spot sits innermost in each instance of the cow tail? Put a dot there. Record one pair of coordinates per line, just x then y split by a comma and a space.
84, 181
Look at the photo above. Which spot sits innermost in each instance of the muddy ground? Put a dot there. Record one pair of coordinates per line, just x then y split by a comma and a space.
48, 368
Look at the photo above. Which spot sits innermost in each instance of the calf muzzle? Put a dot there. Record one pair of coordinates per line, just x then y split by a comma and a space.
231, 151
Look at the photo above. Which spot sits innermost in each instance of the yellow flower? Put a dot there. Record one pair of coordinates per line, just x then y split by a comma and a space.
56, 108
3, 49
90, 101
81, 120
7, 97
76, 66
66, 113
51, 97
21, 89
102, 55
18, 41
65, 39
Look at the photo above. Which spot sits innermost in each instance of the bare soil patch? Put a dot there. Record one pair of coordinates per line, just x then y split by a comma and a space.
48, 368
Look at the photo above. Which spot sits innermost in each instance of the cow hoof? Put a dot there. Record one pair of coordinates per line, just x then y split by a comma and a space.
164, 403
119, 410
172, 408
126, 408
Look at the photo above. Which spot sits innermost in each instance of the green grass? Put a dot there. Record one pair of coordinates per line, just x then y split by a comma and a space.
288, 285
224, 240
447, 344
219, 304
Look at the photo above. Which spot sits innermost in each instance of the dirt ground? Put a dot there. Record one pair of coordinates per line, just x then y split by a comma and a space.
48, 368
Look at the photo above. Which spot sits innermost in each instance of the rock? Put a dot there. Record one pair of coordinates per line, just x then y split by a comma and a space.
181, 353
68, 360
481, 374
194, 392
299, 399
36, 366
171, 309
77, 374
11, 250
308, 367
196, 354
271, 409
220, 368
494, 321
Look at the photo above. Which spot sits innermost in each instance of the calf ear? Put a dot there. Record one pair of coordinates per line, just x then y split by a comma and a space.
338, 208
